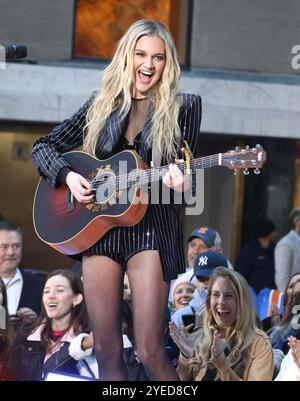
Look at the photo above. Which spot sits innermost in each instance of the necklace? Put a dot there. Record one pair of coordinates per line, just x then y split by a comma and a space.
140, 99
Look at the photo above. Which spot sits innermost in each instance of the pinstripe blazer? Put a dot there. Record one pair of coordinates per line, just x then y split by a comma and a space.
47, 156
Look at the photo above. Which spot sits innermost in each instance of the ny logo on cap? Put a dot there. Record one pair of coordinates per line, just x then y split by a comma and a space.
203, 260
202, 230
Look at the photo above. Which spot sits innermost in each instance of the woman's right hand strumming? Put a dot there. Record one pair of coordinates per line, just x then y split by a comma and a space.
80, 187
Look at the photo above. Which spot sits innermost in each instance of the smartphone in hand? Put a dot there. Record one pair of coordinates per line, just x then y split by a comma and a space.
187, 320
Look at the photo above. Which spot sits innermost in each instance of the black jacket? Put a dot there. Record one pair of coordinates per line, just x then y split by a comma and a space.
47, 156
32, 291
257, 265
26, 360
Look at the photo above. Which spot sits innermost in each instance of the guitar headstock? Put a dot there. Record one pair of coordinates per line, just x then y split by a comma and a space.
245, 158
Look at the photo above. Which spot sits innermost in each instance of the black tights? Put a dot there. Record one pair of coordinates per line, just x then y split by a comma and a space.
103, 283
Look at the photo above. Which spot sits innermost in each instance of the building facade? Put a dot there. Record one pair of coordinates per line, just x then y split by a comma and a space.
239, 55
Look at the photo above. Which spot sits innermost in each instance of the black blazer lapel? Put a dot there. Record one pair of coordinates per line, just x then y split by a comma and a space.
112, 132
115, 127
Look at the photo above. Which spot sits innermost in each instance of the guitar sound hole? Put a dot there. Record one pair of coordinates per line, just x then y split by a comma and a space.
106, 187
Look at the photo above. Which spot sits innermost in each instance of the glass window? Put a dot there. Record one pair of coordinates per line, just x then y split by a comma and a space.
99, 24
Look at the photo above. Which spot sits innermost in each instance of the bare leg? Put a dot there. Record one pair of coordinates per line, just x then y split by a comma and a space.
149, 303
102, 281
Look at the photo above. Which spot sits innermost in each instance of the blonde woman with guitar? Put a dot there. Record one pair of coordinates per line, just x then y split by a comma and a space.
137, 116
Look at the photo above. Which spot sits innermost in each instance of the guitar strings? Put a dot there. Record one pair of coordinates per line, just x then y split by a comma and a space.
154, 173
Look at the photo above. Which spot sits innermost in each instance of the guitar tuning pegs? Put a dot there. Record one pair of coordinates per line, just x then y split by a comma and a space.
237, 148
235, 171
257, 171
246, 171
257, 146
247, 147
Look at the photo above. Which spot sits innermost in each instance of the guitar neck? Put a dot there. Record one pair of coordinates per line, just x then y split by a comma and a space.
253, 158
157, 173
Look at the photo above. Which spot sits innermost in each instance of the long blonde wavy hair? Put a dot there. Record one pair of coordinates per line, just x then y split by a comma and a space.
116, 91
240, 335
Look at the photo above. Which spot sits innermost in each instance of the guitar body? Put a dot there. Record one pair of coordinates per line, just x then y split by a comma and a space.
119, 198
71, 227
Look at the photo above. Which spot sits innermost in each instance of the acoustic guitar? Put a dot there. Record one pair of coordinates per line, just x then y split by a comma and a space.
120, 186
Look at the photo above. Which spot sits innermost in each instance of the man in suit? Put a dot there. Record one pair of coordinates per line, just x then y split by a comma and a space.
24, 289
287, 253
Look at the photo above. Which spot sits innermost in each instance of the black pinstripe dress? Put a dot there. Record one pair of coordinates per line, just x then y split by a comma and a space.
161, 227
121, 243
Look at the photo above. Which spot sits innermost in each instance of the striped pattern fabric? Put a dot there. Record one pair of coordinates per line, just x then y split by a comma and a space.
166, 219
121, 243
46, 152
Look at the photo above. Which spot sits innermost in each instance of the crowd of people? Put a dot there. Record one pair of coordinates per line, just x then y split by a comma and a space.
212, 329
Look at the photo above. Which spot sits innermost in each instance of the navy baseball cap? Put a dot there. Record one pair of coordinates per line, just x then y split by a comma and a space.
206, 262
208, 235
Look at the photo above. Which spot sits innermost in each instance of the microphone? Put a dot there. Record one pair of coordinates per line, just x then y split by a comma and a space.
13, 52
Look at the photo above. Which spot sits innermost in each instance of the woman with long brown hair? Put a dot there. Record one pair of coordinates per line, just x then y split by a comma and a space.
43, 346
229, 346
283, 329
